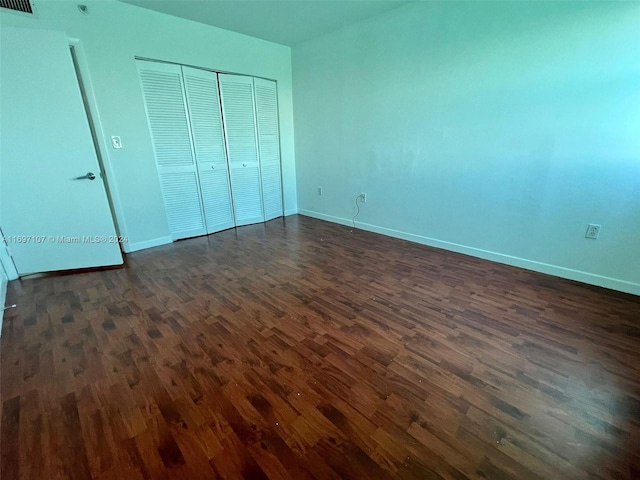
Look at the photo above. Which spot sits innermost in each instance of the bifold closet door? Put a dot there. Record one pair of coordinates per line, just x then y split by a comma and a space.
266, 96
203, 103
242, 147
164, 100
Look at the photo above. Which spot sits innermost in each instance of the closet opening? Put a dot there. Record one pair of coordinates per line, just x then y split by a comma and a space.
216, 142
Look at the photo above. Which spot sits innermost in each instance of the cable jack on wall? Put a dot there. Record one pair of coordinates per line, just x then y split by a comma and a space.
363, 198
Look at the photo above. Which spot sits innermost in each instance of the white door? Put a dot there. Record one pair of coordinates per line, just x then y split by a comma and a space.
52, 220
242, 147
167, 115
203, 104
269, 146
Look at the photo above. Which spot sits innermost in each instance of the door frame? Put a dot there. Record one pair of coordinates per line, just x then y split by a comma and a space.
85, 84
6, 260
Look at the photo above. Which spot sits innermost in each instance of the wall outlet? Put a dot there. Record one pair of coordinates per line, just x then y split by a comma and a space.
320, 191
116, 142
593, 231
363, 197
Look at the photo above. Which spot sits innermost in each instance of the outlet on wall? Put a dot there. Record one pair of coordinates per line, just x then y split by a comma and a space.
593, 231
363, 197
320, 191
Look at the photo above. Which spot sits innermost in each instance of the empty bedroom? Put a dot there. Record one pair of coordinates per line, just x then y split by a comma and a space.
319, 239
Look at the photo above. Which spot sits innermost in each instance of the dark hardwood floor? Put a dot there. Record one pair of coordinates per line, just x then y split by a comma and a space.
299, 349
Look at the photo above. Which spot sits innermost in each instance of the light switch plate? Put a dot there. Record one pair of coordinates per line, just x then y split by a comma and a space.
116, 142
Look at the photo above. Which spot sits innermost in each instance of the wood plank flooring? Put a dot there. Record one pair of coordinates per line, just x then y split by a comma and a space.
299, 349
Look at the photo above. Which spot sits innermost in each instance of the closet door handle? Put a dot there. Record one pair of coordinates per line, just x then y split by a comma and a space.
244, 164
213, 167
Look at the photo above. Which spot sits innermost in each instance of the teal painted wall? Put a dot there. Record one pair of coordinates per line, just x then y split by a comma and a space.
112, 35
497, 129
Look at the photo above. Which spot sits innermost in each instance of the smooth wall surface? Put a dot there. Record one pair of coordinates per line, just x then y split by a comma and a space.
111, 36
496, 129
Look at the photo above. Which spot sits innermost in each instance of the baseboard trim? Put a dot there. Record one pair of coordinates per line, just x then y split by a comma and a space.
4, 282
546, 268
292, 211
156, 242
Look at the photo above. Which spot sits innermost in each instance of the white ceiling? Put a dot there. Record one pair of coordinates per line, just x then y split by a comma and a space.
286, 22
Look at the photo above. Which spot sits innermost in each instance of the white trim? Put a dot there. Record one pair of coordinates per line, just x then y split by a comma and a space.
103, 144
3, 295
6, 263
291, 211
7, 272
563, 272
156, 242
322, 216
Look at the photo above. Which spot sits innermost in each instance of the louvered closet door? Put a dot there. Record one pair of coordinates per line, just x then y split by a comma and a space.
203, 103
269, 146
167, 115
242, 147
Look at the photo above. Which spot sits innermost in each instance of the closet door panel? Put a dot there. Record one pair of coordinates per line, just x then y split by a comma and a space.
216, 197
242, 147
204, 112
180, 190
203, 103
246, 182
164, 100
266, 96
271, 191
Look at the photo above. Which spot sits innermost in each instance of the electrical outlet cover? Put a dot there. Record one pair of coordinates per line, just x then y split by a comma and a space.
593, 231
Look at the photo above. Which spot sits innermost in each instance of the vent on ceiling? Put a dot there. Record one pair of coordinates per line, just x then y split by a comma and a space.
23, 6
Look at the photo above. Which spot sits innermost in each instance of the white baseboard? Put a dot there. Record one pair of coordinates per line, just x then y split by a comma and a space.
6, 263
4, 281
156, 242
555, 270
